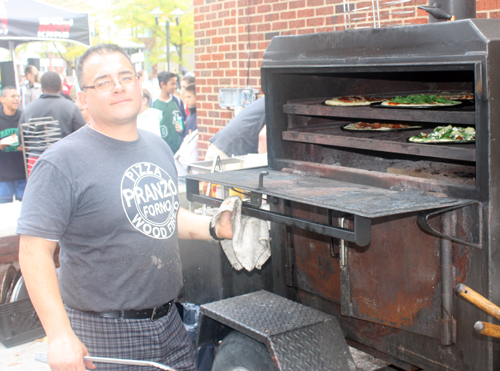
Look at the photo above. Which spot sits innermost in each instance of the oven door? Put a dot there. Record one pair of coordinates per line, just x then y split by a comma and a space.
356, 245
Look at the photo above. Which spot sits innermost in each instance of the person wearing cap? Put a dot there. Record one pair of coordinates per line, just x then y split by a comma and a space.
108, 195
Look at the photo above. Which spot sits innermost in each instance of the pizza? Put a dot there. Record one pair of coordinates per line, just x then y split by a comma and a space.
353, 100
462, 95
444, 134
377, 126
419, 100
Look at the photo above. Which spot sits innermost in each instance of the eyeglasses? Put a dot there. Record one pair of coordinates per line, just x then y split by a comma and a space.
102, 86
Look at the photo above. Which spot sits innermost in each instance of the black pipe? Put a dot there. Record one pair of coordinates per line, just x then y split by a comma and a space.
461, 9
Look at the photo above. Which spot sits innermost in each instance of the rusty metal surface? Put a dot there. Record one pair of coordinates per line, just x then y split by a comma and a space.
366, 201
395, 280
317, 271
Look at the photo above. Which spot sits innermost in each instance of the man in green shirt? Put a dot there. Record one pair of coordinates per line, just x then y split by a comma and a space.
172, 108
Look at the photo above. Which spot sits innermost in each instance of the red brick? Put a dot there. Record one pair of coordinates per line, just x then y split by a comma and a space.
223, 14
263, 27
229, 4
280, 25
327, 10
305, 13
280, 6
264, 8
204, 25
297, 4
218, 73
229, 21
298, 23
315, 22
217, 23
217, 40
289, 15
311, 3
215, 6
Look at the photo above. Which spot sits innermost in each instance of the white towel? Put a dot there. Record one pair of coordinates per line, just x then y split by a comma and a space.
250, 247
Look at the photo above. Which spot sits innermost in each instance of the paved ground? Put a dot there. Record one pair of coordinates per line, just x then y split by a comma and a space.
21, 358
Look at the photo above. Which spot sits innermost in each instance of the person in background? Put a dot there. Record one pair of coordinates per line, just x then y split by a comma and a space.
109, 196
172, 108
242, 134
148, 84
32, 89
190, 99
52, 104
12, 173
149, 118
186, 80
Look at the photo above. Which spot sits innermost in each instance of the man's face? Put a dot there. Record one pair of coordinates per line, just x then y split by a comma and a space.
170, 86
117, 106
11, 100
190, 99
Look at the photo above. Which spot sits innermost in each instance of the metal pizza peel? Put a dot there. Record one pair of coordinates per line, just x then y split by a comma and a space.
42, 357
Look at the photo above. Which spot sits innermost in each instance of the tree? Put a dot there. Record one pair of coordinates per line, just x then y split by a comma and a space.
134, 17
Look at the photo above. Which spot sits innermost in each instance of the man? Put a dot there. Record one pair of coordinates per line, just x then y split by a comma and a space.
12, 174
52, 104
242, 135
108, 194
172, 108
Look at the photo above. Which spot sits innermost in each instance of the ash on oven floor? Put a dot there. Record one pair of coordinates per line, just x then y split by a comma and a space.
366, 362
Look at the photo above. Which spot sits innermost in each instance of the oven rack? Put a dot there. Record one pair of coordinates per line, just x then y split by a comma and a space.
464, 115
394, 141
311, 121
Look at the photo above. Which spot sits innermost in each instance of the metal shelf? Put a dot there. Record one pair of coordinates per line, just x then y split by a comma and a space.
394, 142
464, 115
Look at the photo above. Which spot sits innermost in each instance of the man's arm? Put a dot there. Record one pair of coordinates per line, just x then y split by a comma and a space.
192, 226
65, 351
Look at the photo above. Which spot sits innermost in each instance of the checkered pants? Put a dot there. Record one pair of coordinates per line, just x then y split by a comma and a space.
164, 341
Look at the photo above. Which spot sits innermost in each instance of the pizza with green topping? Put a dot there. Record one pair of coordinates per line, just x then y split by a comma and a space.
419, 100
446, 134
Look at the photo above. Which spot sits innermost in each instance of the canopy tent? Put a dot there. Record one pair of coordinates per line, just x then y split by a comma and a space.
22, 21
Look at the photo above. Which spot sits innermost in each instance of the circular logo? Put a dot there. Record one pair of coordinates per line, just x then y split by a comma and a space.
149, 199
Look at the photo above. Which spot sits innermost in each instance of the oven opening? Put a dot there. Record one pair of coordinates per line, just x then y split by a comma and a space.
377, 137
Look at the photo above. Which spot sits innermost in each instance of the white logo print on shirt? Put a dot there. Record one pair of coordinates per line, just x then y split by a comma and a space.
148, 199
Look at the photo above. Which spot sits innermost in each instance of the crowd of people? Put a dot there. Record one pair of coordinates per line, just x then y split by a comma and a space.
168, 110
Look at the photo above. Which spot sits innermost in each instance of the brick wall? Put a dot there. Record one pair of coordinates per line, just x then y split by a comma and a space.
225, 30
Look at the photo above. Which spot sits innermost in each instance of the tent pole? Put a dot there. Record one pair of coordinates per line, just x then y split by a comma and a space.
13, 56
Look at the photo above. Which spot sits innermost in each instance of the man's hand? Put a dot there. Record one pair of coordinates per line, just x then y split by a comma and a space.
66, 353
178, 128
224, 227
3, 146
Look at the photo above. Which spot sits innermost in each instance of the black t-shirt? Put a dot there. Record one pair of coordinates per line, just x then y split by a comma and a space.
11, 160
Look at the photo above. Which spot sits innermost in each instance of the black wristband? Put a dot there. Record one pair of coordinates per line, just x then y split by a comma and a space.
213, 233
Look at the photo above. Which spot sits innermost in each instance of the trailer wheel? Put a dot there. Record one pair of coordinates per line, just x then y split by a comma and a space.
238, 352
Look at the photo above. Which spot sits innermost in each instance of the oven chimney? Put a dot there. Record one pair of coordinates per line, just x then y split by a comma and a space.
461, 9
